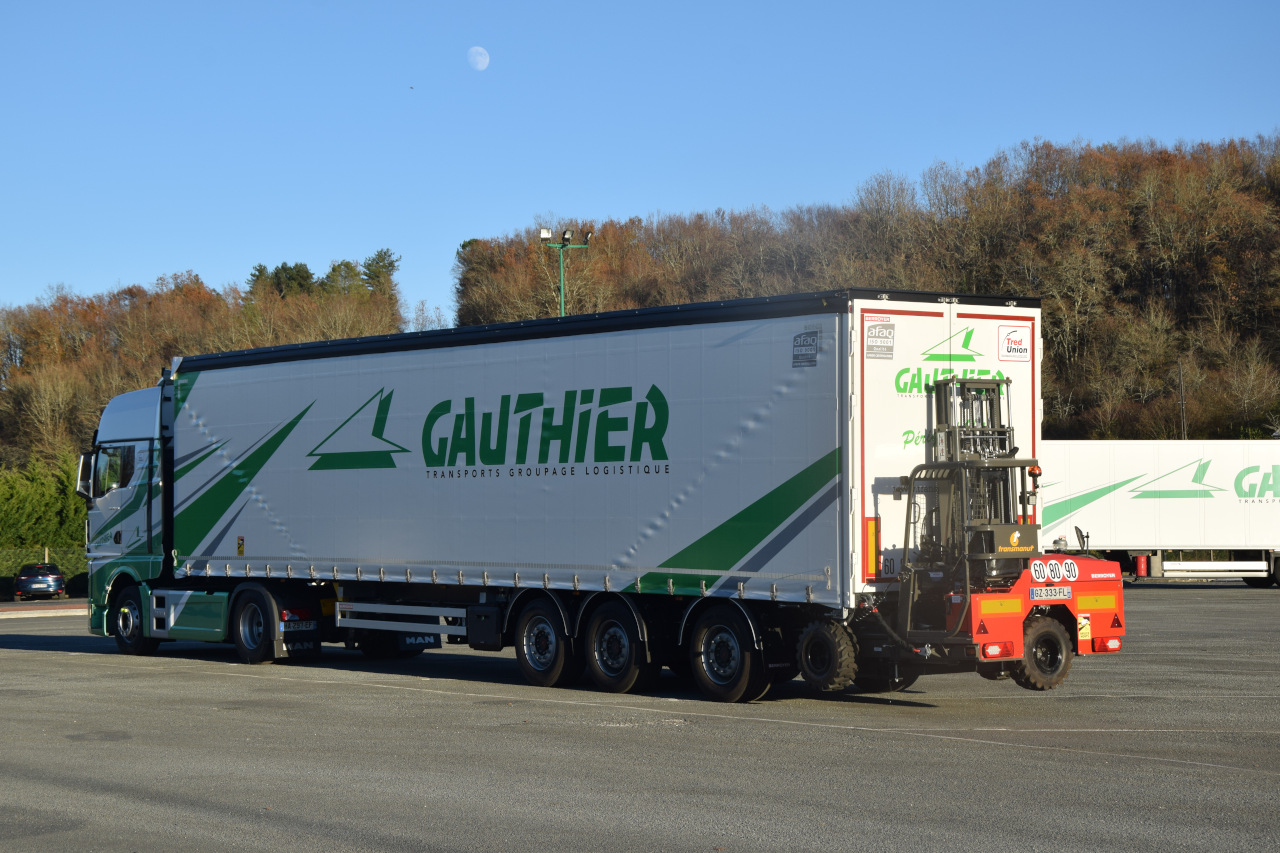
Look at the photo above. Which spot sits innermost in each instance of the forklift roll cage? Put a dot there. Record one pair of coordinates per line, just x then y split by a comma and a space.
975, 533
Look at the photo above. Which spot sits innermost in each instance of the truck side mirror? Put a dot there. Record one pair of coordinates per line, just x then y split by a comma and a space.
84, 476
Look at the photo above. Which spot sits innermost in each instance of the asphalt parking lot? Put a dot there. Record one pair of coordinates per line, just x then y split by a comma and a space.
1172, 745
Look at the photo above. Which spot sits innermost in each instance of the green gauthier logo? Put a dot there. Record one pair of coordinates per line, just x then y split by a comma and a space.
1250, 485
358, 441
960, 351
1188, 481
608, 425
952, 349
1184, 482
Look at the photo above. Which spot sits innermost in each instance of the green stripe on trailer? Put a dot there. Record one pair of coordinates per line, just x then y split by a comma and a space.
1055, 511
719, 551
195, 522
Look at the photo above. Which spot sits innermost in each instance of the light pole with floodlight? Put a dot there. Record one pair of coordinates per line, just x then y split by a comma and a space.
566, 242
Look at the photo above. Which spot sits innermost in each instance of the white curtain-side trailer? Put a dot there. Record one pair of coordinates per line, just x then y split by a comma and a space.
723, 489
1192, 509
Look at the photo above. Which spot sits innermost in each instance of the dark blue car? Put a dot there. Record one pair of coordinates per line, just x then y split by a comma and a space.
39, 580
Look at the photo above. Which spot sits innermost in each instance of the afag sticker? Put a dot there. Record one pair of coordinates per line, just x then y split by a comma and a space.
804, 348
880, 340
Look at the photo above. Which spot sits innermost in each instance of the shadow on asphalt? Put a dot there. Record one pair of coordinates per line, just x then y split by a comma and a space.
443, 664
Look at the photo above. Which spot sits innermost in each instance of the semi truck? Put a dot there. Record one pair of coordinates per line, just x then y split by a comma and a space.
1188, 509
824, 485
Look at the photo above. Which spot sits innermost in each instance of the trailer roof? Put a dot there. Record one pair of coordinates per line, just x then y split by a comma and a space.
736, 310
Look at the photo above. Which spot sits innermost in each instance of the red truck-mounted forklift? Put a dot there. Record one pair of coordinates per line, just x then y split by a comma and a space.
975, 591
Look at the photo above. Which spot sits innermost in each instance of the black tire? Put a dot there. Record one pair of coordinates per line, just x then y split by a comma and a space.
615, 653
827, 654
129, 624
1046, 656
1259, 583
253, 627
544, 651
726, 666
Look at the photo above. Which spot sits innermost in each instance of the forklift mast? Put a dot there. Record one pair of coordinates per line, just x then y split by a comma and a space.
969, 525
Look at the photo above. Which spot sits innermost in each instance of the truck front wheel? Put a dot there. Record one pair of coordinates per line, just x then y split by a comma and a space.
1046, 656
253, 627
128, 624
543, 650
726, 665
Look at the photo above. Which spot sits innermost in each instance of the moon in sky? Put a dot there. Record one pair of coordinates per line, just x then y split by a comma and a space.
478, 58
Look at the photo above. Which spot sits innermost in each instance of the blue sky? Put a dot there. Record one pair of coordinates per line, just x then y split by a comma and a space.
142, 139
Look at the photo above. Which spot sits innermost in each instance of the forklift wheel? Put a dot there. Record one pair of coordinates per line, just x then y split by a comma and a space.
1047, 655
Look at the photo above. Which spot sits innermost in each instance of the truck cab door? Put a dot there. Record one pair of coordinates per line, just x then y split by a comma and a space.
120, 501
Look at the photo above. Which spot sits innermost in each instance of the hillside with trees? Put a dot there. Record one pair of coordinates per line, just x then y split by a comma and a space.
1159, 270
63, 357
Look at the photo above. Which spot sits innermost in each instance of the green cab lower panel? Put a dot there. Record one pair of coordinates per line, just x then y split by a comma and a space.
188, 615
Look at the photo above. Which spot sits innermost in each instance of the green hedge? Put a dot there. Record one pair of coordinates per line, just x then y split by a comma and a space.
39, 509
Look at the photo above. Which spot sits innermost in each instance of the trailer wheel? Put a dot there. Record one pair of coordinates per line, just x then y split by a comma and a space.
1259, 583
1047, 655
128, 625
253, 627
726, 666
615, 652
828, 655
543, 650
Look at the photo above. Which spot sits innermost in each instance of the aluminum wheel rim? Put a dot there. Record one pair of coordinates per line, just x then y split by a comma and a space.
540, 644
613, 650
128, 620
251, 626
721, 655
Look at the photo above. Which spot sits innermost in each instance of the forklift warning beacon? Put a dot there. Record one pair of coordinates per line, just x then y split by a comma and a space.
824, 485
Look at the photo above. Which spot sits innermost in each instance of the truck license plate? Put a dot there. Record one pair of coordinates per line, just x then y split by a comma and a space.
298, 626
1041, 593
